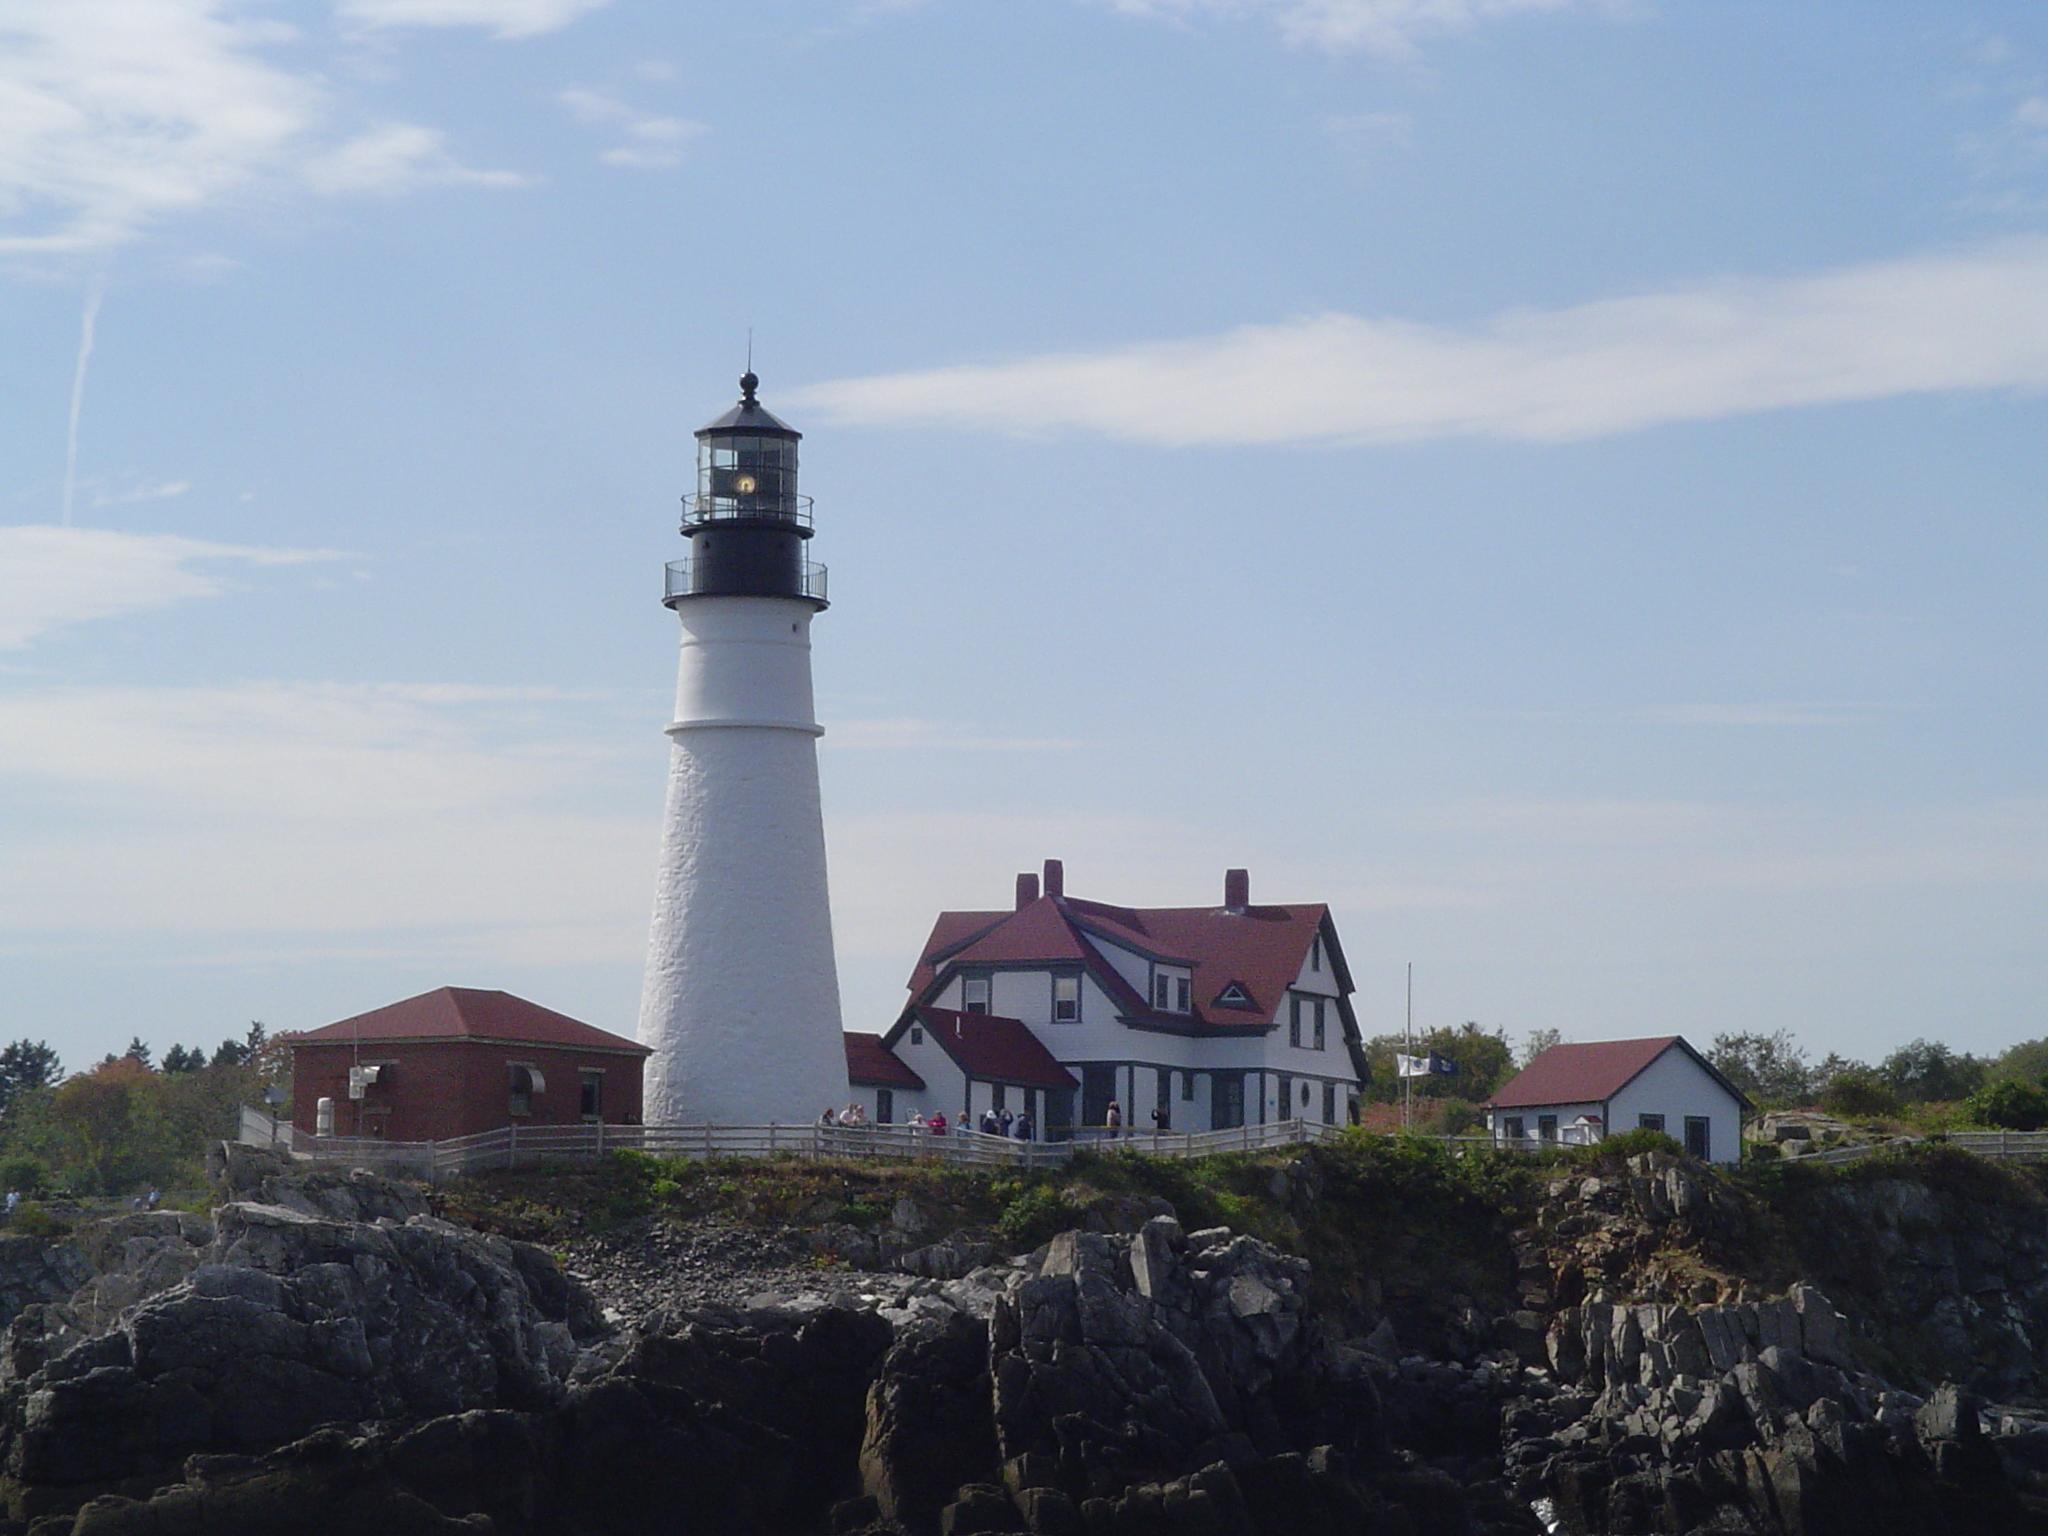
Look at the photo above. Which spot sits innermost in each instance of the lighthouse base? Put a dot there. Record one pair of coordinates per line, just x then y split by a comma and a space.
741, 998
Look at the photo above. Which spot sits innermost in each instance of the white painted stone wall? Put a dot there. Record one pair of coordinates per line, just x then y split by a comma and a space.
740, 999
1675, 1086
1566, 1114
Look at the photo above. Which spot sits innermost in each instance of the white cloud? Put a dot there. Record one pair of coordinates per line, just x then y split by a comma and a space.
133, 491
395, 158
1369, 135
117, 112
1974, 319
653, 143
1762, 714
507, 18
906, 734
51, 577
1388, 28
429, 821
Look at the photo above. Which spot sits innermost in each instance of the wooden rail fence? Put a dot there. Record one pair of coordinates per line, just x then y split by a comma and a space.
515, 1146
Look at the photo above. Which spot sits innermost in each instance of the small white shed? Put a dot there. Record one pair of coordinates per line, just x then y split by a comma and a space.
1582, 1093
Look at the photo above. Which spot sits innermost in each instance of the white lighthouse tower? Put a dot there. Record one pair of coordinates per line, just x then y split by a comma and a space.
741, 997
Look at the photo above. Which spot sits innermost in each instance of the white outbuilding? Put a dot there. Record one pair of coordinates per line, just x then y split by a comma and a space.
1584, 1093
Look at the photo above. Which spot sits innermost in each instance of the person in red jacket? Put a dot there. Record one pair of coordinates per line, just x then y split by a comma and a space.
938, 1123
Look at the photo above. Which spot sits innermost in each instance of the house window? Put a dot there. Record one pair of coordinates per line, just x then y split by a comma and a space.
1319, 1024
1234, 995
1698, 1137
916, 1034
974, 994
1294, 1021
1163, 1099
1546, 1127
1513, 1128
995, 1097
593, 1094
1650, 1122
1329, 1103
885, 1106
1183, 987
526, 1082
1315, 954
1187, 1086
1066, 999
1304, 1095
1162, 989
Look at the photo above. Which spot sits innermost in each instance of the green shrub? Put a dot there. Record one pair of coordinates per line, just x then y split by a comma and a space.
31, 1220
1035, 1216
1859, 1094
1760, 1152
2010, 1106
1459, 1117
20, 1171
1624, 1145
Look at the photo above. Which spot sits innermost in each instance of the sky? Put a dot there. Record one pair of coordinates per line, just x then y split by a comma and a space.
1560, 481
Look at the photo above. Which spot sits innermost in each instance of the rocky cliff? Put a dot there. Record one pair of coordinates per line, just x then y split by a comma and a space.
324, 1354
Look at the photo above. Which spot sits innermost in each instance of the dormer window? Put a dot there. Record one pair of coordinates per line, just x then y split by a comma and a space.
974, 994
1234, 996
1173, 991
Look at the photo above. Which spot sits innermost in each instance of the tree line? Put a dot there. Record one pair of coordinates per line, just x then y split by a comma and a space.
127, 1123
2008, 1089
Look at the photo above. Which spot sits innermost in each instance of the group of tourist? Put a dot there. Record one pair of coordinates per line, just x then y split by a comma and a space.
1011, 1127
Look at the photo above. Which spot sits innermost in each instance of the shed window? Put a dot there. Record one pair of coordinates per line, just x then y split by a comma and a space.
593, 1095
527, 1080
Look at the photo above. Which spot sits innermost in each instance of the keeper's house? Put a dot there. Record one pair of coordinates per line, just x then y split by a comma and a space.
1206, 1017
457, 1061
1583, 1093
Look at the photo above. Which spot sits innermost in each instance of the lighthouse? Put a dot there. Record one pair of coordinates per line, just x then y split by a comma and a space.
740, 1003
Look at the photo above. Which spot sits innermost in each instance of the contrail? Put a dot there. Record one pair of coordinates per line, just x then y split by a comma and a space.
93, 295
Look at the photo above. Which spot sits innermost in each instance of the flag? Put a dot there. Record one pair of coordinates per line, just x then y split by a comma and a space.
1432, 1065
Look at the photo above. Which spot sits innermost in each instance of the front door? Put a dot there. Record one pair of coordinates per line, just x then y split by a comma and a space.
1226, 1100
1059, 1114
1098, 1087
1286, 1097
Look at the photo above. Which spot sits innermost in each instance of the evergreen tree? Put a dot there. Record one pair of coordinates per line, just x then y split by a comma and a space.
25, 1066
138, 1049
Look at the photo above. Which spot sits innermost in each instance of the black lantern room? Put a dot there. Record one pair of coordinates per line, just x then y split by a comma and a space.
747, 525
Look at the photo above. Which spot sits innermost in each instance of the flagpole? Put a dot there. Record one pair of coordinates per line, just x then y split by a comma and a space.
1408, 1034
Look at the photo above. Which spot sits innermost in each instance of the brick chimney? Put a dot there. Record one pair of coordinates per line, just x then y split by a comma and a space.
1027, 890
1055, 879
1237, 889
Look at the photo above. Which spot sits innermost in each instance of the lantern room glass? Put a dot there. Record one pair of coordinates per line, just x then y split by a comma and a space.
744, 475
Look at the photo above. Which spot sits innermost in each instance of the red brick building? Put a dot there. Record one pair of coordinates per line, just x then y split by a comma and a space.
457, 1061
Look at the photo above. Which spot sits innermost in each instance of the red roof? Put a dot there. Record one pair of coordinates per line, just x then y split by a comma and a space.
1261, 949
872, 1064
990, 1047
467, 1013
1591, 1073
